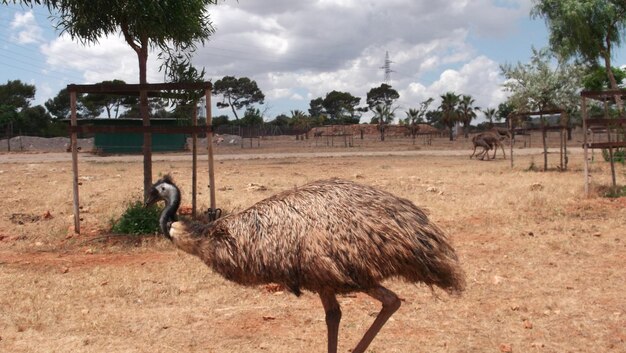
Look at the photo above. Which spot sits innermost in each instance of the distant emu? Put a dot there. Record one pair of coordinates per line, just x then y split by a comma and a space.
487, 140
329, 237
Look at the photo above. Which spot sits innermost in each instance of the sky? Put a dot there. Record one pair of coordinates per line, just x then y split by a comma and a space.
297, 51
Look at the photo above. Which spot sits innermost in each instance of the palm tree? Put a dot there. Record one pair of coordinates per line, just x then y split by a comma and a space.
468, 112
490, 113
449, 111
299, 120
384, 115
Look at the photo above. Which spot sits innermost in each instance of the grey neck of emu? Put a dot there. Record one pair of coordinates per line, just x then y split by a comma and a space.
168, 215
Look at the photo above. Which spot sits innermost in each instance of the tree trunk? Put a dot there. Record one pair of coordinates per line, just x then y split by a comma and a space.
451, 133
142, 55
544, 136
232, 107
612, 81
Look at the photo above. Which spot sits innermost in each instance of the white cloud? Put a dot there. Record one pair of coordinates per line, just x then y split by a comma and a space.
110, 59
300, 50
27, 31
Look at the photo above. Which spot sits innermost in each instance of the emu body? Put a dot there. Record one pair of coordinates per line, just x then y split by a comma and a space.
329, 237
487, 140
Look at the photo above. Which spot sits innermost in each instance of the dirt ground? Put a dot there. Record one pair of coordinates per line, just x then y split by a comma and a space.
544, 265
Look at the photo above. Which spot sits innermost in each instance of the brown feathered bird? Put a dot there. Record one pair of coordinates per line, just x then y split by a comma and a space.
329, 237
487, 140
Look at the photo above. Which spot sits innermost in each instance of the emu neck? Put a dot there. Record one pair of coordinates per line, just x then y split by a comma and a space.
168, 215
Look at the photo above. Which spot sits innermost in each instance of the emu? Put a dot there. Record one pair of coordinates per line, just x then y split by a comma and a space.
329, 237
487, 140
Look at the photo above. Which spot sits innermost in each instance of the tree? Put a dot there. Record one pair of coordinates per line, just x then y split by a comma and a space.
596, 79
490, 113
15, 98
416, 116
17, 94
467, 112
537, 87
33, 121
383, 115
341, 107
505, 109
171, 26
316, 109
238, 93
588, 29
251, 117
93, 104
449, 111
383, 95
59, 106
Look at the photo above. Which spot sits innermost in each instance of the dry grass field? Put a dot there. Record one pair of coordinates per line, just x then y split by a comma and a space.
545, 266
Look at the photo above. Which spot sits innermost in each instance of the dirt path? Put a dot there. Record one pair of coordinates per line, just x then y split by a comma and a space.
88, 157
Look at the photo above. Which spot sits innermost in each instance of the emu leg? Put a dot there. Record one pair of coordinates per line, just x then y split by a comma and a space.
484, 153
474, 152
333, 316
391, 303
503, 153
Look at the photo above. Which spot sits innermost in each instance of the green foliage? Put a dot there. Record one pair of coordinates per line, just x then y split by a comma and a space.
537, 85
416, 116
238, 93
165, 24
584, 28
615, 192
467, 111
597, 80
137, 220
340, 107
252, 117
17, 94
449, 110
383, 95
619, 155
532, 167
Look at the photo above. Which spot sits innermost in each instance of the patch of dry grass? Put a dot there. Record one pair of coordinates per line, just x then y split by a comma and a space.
545, 266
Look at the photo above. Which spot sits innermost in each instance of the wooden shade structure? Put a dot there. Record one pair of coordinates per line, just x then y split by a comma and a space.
604, 123
165, 90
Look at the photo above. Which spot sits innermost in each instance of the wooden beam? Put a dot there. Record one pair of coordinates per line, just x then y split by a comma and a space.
606, 122
114, 129
603, 94
613, 144
136, 88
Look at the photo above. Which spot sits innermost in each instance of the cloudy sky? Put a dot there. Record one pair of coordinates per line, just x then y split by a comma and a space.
300, 50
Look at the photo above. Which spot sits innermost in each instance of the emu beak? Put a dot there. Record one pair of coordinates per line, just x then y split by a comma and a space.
152, 198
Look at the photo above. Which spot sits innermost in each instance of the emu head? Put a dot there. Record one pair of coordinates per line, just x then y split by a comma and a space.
165, 189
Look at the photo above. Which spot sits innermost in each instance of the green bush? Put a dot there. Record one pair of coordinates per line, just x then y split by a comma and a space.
615, 192
619, 155
137, 220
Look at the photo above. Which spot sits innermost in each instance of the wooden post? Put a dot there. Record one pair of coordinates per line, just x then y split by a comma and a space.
512, 139
74, 143
194, 160
209, 141
585, 147
611, 161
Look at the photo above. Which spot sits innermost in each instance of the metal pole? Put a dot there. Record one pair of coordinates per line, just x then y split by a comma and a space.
74, 143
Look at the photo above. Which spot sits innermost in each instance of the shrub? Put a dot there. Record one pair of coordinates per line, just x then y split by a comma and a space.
614, 192
619, 155
137, 220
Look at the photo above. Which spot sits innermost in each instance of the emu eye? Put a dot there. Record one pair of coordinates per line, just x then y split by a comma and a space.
162, 188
